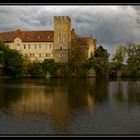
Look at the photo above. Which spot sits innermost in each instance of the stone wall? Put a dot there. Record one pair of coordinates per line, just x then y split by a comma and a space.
62, 37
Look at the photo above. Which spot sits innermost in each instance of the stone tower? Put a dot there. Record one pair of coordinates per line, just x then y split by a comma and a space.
62, 38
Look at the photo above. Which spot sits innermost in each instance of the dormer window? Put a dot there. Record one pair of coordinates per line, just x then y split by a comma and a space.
38, 37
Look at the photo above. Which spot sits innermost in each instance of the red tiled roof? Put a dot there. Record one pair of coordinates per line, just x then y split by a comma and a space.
83, 40
28, 36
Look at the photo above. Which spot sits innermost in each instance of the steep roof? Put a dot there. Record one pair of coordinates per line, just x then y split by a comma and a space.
28, 36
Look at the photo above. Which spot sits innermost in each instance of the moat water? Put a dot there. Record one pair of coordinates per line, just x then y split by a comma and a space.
69, 106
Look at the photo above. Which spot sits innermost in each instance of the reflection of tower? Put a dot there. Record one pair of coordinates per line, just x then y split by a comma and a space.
62, 38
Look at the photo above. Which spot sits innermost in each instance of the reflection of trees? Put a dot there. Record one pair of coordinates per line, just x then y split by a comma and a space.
100, 90
134, 92
8, 94
81, 91
118, 93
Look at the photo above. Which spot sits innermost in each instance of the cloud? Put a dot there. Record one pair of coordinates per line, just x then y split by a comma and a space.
111, 25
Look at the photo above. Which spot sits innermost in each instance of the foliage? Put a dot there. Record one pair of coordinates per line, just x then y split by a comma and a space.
49, 66
12, 59
101, 62
26, 66
118, 57
133, 61
76, 56
101, 52
64, 70
36, 70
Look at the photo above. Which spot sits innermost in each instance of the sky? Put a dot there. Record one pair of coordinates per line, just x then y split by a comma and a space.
110, 25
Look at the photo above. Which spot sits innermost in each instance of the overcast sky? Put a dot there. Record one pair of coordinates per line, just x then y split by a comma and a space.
110, 25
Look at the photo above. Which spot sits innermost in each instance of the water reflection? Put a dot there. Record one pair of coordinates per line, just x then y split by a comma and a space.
126, 92
59, 100
55, 99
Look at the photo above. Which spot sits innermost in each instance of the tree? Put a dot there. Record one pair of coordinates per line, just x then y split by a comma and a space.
76, 56
101, 64
133, 54
13, 60
26, 66
64, 70
36, 70
118, 57
49, 66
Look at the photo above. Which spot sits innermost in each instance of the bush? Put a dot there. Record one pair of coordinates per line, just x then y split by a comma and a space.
49, 66
36, 70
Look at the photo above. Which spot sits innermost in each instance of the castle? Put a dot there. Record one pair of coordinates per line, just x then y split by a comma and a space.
48, 44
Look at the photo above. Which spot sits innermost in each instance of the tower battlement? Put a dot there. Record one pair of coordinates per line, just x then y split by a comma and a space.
62, 18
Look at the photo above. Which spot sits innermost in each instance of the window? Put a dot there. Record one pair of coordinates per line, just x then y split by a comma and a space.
39, 55
29, 46
60, 55
60, 47
49, 55
30, 55
46, 55
38, 37
35, 46
61, 38
39, 46
24, 46
18, 46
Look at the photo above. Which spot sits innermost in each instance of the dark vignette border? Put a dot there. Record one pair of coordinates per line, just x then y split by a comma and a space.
50, 3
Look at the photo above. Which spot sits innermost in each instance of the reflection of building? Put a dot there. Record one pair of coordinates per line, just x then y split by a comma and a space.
56, 103
48, 44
